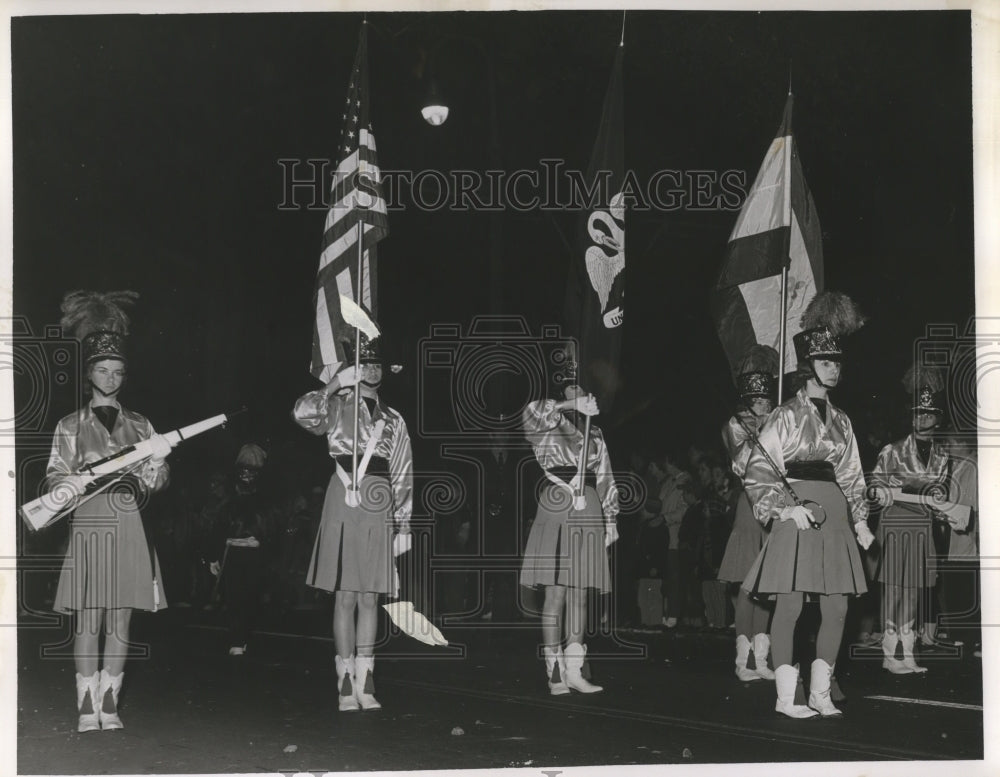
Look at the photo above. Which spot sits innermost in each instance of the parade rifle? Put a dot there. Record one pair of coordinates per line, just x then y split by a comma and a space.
815, 508
104, 473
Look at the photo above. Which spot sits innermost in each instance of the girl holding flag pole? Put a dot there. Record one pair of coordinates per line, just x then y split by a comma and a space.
575, 523
363, 526
805, 479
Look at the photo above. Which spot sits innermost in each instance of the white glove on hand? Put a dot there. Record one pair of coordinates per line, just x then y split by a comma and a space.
160, 447
215, 568
401, 544
345, 378
75, 484
610, 535
799, 514
865, 536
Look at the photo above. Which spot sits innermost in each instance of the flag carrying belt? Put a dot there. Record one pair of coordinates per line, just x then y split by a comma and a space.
567, 477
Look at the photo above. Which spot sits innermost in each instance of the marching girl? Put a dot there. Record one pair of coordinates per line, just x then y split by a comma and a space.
356, 543
808, 484
566, 549
110, 568
906, 570
756, 385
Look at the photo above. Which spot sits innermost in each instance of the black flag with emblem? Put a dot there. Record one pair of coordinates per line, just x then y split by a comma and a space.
595, 290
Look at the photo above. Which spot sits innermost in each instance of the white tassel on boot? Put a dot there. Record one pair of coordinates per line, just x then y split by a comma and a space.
819, 689
574, 655
786, 679
88, 720
890, 639
555, 671
109, 682
364, 687
761, 647
742, 655
907, 638
346, 700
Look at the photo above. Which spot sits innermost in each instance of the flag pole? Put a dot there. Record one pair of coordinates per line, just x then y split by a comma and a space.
357, 363
787, 208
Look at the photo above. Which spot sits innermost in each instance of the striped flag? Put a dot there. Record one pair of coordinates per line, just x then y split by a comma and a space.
355, 198
777, 227
595, 291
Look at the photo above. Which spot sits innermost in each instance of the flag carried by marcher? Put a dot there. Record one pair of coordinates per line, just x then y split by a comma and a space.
777, 228
595, 290
355, 198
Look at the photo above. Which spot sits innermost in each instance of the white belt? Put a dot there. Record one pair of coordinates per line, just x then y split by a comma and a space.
352, 496
579, 502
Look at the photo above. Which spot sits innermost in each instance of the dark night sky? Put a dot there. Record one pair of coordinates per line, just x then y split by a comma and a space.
146, 156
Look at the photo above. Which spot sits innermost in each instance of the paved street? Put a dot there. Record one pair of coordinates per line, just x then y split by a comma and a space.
481, 702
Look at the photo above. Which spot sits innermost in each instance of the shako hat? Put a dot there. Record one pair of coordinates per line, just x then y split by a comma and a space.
926, 385
757, 373
827, 318
99, 321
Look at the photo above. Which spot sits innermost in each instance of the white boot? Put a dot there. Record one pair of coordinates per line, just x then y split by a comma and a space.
574, 655
819, 689
346, 700
88, 720
761, 647
786, 678
555, 671
907, 638
364, 685
890, 639
742, 654
108, 711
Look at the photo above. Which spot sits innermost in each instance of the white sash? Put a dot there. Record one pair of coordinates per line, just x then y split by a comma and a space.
352, 496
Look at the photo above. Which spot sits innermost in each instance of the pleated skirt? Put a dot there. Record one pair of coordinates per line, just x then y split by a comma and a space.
821, 561
908, 555
565, 546
107, 564
353, 548
745, 542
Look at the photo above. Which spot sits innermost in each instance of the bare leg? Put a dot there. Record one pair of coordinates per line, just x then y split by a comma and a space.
576, 614
552, 615
116, 629
367, 623
87, 640
344, 631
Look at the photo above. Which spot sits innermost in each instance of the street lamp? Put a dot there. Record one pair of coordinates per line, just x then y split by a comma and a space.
435, 112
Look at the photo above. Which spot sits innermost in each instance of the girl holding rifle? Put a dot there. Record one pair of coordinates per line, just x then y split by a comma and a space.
110, 568
907, 570
805, 480
756, 384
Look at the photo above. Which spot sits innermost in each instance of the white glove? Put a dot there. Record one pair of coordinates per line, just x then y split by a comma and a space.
215, 568
401, 544
75, 484
799, 514
345, 378
610, 535
865, 536
160, 447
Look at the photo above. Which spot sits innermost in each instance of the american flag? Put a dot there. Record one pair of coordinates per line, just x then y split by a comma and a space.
355, 198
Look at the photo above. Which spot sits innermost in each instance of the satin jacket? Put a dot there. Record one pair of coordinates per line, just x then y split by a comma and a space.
80, 438
738, 443
899, 464
557, 442
795, 431
334, 416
